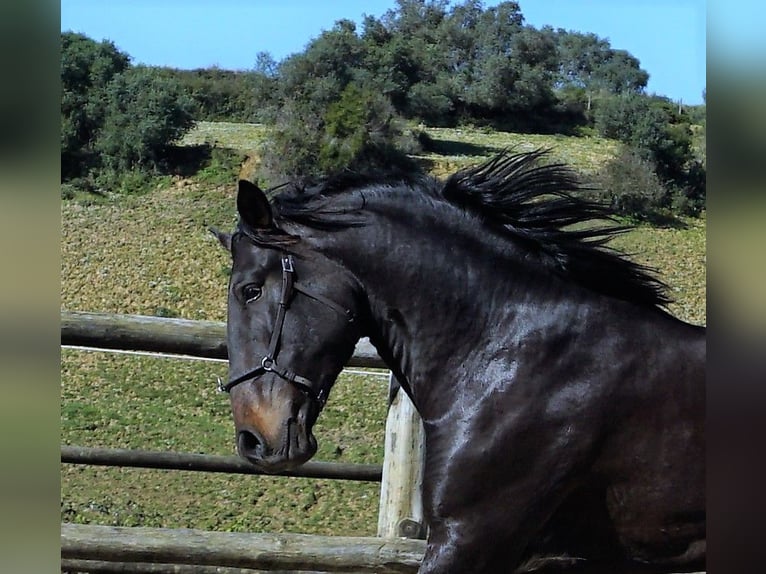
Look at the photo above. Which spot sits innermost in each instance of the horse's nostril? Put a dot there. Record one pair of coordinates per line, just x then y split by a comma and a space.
249, 444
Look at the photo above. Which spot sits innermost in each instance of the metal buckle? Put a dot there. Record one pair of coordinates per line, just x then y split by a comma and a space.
287, 264
267, 363
221, 387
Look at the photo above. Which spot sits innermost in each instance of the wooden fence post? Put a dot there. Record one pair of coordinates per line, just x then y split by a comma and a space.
401, 503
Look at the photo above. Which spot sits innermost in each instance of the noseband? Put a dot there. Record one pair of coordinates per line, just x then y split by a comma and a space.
269, 361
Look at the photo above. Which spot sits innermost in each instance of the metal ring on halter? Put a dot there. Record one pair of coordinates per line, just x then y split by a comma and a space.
267, 363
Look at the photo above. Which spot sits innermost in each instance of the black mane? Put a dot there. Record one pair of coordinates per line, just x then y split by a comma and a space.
536, 203
513, 193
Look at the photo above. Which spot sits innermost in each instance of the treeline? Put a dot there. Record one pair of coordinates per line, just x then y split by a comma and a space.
440, 65
351, 97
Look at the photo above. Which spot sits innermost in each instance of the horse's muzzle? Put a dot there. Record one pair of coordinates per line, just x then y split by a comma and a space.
295, 447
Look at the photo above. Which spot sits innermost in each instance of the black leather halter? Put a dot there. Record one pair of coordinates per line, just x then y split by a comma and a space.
269, 361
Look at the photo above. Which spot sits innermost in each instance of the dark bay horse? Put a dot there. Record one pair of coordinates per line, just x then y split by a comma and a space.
563, 407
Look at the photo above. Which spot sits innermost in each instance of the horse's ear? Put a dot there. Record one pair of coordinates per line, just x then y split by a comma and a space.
252, 205
223, 238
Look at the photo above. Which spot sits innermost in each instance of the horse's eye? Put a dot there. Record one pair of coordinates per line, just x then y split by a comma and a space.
251, 292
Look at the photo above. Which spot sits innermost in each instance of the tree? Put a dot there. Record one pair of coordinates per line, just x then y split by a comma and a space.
513, 74
329, 63
416, 18
87, 67
265, 86
217, 94
293, 148
413, 62
621, 73
587, 64
580, 56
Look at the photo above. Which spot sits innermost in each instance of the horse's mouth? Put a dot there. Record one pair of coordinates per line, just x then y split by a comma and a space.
278, 464
297, 450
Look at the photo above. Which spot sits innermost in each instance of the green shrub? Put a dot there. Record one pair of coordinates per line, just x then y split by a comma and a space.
222, 168
656, 134
145, 114
690, 198
127, 181
293, 147
358, 131
629, 184
363, 131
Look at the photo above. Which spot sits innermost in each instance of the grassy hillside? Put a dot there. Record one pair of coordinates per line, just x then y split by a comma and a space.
153, 255
454, 147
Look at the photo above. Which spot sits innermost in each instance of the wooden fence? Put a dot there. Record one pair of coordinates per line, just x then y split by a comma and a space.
91, 548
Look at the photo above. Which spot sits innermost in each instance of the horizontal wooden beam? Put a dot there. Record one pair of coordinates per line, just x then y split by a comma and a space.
240, 550
166, 335
212, 463
106, 567
95, 548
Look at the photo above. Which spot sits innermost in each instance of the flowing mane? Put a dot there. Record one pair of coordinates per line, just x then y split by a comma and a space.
537, 203
513, 194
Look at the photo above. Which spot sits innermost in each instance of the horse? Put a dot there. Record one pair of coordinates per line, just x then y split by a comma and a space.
563, 406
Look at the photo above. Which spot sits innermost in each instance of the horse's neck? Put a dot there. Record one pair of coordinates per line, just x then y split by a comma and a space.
453, 310
436, 298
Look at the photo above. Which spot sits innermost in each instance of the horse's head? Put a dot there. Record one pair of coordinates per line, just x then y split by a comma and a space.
291, 328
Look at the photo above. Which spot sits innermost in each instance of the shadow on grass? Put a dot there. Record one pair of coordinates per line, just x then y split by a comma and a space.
187, 160
665, 220
452, 147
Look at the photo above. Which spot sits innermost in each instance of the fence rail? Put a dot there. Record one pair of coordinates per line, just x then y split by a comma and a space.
110, 567
240, 549
205, 339
211, 463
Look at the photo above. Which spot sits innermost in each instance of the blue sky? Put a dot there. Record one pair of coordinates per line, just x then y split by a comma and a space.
667, 36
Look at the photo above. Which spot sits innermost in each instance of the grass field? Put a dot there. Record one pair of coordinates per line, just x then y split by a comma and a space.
153, 255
